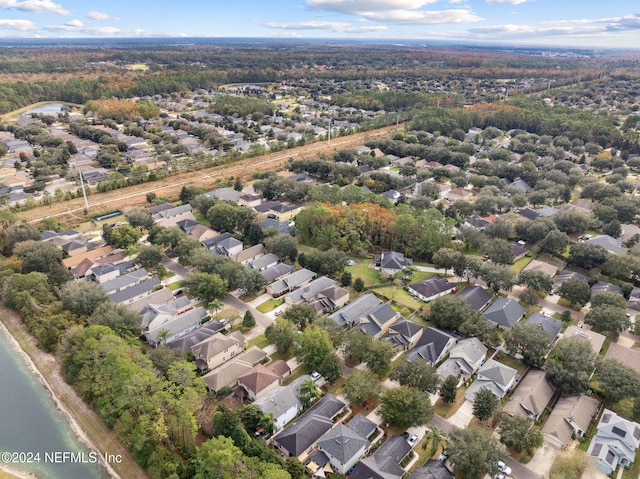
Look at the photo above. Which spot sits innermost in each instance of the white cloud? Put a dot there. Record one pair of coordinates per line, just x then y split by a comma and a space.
78, 26
35, 6
98, 16
75, 24
358, 6
401, 12
424, 17
22, 25
511, 2
339, 27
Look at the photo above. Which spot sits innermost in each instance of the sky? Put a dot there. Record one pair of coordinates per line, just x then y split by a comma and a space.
574, 23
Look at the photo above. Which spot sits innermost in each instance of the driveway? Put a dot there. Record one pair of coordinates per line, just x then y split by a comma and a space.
462, 417
520, 471
172, 265
543, 460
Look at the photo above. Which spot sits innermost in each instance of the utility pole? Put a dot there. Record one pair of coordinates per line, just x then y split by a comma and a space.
329, 134
84, 193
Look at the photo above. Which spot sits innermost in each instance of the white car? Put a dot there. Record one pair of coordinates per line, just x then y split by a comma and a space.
278, 312
315, 375
412, 440
503, 468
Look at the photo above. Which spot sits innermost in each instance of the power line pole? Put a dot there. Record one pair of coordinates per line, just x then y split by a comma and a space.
84, 193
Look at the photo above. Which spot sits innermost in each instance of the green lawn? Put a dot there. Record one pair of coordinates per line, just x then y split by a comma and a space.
175, 285
521, 263
400, 296
202, 219
260, 341
363, 271
270, 305
446, 410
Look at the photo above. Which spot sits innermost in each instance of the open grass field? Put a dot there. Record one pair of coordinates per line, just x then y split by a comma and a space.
400, 296
363, 271
270, 305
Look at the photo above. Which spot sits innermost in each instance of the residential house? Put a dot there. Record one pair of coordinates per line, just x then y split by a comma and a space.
282, 402
390, 262
520, 184
615, 443
548, 324
535, 265
225, 194
609, 243
298, 437
224, 245
171, 217
262, 263
226, 376
404, 333
392, 195
309, 291
459, 194
94, 254
217, 349
135, 292
519, 249
432, 347
276, 272
505, 312
284, 227
102, 273
367, 313
465, 358
249, 200
167, 332
433, 469
254, 254
120, 283
291, 282
385, 462
261, 379
565, 275
158, 296
595, 339
476, 222
163, 313
603, 287
628, 231
201, 233
531, 397
186, 342
431, 288
630, 357
476, 297
570, 416
494, 376
344, 447
634, 300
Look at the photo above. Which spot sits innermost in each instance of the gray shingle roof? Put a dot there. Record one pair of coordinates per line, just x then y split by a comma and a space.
342, 443
504, 311
308, 428
432, 286
548, 324
475, 296
431, 345
135, 290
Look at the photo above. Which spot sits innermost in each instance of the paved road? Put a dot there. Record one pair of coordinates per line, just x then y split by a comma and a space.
172, 265
520, 471
261, 319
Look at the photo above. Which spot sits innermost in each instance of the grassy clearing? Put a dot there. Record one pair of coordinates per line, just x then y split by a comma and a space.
362, 270
399, 295
270, 305
521, 263
260, 341
175, 285
202, 219
138, 66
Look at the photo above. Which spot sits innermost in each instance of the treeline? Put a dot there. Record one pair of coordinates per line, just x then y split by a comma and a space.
391, 100
526, 114
368, 228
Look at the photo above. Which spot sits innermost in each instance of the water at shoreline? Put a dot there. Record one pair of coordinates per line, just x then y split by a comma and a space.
35, 436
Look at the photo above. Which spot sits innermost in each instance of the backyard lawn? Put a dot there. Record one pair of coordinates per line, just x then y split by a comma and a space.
363, 271
260, 341
521, 263
270, 305
399, 295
